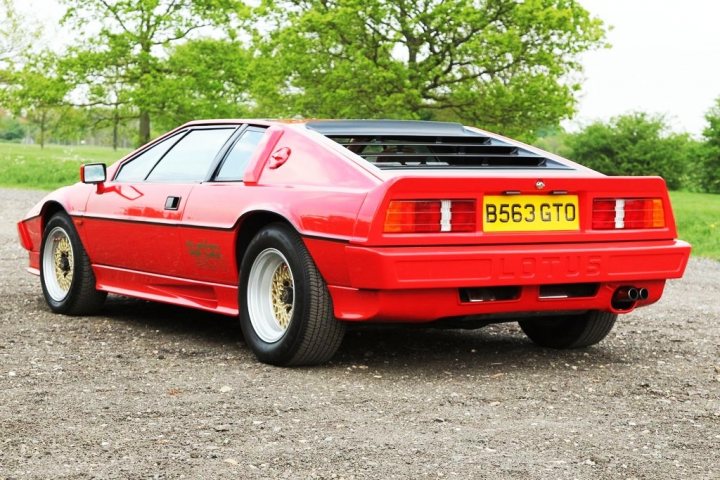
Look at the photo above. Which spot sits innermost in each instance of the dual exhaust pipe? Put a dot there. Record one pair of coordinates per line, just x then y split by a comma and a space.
625, 297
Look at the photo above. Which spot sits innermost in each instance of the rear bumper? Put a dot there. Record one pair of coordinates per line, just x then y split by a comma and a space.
476, 266
421, 284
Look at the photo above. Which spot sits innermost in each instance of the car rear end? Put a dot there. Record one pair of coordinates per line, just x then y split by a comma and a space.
472, 226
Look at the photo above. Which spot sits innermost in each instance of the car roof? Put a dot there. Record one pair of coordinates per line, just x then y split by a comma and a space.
358, 127
390, 127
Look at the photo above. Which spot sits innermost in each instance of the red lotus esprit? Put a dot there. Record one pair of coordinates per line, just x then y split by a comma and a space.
303, 228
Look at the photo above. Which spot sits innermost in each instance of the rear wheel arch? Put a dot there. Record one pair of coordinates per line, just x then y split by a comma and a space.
250, 224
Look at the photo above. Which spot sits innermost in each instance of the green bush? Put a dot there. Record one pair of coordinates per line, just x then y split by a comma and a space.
10, 129
710, 172
634, 144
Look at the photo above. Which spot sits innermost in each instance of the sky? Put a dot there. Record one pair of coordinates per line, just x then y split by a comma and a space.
664, 58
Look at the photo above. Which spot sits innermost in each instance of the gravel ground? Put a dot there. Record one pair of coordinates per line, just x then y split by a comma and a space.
152, 391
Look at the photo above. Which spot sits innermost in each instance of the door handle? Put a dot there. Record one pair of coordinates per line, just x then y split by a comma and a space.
172, 203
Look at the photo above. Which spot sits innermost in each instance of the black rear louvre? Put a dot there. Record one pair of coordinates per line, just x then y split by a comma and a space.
397, 145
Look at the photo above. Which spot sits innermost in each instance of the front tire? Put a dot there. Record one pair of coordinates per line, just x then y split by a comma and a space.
572, 331
286, 311
67, 279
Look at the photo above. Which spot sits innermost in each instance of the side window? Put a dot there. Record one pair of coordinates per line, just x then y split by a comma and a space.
233, 168
138, 168
190, 159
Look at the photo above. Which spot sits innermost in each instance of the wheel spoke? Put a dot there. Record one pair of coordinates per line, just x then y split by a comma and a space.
271, 296
58, 264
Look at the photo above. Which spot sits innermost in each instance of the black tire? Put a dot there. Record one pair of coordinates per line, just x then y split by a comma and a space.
311, 335
81, 297
572, 331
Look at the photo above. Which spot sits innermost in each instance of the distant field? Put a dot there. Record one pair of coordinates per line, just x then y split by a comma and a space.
698, 219
29, 166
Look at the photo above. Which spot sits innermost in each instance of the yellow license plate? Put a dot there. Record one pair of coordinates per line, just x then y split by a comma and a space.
530, 213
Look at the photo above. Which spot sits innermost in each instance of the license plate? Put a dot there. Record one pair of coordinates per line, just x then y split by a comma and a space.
530, 213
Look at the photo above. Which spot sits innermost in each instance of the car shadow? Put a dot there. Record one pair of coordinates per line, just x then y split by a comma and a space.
380, 347
384, 348
210, 328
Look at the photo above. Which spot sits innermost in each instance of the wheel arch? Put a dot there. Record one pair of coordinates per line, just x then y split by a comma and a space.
49, 209
250, 224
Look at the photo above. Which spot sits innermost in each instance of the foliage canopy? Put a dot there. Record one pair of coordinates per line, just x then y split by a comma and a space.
710, 179
633, 144
501, 64
124, 64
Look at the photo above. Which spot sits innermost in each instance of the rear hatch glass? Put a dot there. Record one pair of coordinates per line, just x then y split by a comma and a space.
429, 145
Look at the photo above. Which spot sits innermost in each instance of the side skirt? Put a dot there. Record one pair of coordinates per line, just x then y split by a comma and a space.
212, 297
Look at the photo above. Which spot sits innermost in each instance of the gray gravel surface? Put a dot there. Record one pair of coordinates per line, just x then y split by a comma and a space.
152, 391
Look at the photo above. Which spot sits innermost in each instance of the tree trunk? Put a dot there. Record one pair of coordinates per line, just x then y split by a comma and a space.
43, 121
144, 127
116, 121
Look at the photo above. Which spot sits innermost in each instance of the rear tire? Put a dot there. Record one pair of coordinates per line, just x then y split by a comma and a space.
286, 311
572, 331
66, 276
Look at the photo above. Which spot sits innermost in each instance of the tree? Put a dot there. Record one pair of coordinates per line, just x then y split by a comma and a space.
37, 91
14, 34
501, 64
710, 167
17, 35
134, 36
100, 86
633, 144
206, 78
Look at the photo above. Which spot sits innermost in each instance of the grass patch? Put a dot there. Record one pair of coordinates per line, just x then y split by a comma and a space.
29, 166
698, 220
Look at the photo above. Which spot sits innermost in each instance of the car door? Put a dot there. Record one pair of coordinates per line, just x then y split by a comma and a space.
131, 223
207, 236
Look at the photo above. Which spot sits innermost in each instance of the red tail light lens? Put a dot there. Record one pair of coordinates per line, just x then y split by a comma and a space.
430, 216
644, 213
463, 216
626, 214
603, 215
413, 216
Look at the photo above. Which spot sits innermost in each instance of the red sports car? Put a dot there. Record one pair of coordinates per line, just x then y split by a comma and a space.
302, 228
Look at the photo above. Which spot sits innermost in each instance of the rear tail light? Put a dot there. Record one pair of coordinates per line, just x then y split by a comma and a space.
430, 216
462, 216
628, 213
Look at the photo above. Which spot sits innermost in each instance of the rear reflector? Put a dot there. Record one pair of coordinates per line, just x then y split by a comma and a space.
628, 213
430, 216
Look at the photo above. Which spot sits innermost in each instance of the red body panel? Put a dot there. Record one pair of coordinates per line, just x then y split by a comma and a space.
371, 282
427, 305
337, 202
120, 213
369, 227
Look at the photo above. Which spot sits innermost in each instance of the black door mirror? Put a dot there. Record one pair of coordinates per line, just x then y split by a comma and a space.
93, 173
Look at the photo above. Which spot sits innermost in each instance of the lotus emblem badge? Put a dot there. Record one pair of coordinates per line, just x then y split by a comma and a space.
539, 184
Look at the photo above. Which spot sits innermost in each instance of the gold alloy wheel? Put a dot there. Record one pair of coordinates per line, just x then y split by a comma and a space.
270, 295
63, 262
58, 262
282, 295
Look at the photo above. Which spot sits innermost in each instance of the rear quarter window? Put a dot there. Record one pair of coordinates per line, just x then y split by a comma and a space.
235, 163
